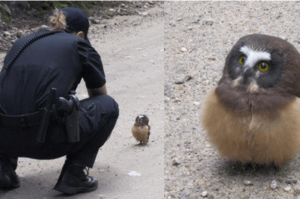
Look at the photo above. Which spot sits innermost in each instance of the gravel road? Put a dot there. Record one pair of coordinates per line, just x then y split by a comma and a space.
198, 36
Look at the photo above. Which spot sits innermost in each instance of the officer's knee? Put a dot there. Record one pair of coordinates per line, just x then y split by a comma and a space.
115, 108
108, 105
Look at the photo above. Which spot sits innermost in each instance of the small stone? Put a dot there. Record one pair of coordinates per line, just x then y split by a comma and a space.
278, 15
173, 25
144, 13
288, 188
196, 103
101, 196
274, 184
197, 20
95, 21
179, 19
175, 162
138, 5
176, 100
43, 26
208, 22
291, 181
204, 194
297, 192
20, 34
6, 34
183, 49
284, 37
134, 174
248, 183
185, 79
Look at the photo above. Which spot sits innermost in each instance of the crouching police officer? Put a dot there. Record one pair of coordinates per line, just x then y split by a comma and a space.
40, 115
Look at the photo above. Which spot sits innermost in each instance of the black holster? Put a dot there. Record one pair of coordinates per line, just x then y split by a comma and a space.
46, 114
70, 109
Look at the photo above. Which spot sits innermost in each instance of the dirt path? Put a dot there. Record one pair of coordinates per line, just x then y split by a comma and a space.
133, 60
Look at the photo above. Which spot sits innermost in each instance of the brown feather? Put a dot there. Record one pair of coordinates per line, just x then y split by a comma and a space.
141, 133
264, 137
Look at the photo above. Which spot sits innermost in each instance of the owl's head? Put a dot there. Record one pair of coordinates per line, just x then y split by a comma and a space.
141, 120
258, 68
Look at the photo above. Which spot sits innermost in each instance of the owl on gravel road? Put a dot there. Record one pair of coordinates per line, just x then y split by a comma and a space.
253, 115
141, 129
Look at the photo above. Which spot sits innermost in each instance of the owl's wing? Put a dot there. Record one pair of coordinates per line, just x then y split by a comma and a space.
149, 130
298, 94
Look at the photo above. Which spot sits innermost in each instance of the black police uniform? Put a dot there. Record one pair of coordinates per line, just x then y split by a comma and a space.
58, 61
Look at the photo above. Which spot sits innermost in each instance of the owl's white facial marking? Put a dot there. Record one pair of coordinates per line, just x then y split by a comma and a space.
252, 87
236, 82
254, 56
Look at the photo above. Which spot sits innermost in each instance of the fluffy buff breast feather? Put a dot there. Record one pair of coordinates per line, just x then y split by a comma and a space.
141, 133
268, 136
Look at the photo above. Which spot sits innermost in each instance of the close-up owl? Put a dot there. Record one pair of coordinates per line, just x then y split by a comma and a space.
253, 115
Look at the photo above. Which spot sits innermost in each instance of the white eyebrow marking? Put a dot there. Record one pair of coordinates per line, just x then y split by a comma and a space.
254, 56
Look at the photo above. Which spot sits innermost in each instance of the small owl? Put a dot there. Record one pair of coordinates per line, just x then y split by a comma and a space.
253, 115
141, 129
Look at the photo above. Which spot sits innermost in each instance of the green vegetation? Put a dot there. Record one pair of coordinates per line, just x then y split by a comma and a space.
43, 7
106, 12
61, 4
5, 17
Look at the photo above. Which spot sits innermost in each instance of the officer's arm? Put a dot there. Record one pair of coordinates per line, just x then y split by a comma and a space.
97, 91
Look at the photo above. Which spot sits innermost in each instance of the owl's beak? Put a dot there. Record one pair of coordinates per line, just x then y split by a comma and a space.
248, 73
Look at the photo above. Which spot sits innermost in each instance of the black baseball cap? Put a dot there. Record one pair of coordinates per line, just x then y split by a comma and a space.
77, 20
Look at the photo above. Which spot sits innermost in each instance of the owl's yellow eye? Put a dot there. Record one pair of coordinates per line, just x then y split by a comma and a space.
263, 67
242, 60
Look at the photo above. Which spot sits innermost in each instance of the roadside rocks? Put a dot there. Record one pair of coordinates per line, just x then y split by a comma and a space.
274, 184
26, 21
10, 35
204, 194
248, 183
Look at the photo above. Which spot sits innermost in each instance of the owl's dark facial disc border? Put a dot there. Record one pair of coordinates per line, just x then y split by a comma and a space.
265, 80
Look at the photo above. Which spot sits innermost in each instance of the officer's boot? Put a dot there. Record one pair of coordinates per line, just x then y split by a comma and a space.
8, 176
73, 180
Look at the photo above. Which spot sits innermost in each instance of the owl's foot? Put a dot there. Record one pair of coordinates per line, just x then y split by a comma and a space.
143, 143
